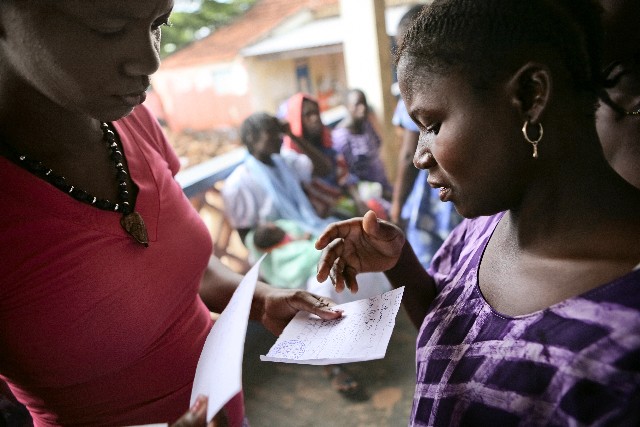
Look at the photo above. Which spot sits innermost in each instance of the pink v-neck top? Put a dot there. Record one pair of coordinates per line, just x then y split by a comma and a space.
95, 328
576, 363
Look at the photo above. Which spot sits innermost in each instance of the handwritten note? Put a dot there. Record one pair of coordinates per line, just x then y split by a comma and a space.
219, 370
363, 333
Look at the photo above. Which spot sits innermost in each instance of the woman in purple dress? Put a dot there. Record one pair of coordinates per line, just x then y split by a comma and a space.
356, 138
530, 311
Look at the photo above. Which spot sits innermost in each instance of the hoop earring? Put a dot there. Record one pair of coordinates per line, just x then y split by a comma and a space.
534, 143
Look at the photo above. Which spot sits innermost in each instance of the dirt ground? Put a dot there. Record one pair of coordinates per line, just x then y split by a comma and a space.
291, 395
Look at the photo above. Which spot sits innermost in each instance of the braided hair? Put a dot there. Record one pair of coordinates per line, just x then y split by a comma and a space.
484, 39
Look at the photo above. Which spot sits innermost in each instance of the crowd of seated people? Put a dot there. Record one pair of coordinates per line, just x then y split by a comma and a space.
267, 202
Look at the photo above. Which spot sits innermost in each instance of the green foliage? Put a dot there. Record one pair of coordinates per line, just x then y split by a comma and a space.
187, 27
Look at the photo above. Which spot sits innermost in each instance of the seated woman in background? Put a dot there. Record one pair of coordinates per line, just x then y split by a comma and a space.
307, 130
359, 143
267, 190
269, 185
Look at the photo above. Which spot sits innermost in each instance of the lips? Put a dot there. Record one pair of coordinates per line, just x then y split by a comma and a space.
432, 183
133, 99
445, 192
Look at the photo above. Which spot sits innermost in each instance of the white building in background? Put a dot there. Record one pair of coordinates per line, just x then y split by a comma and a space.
277, 48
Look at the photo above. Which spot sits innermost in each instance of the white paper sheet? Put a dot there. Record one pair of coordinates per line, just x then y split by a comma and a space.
219, 370
363, 333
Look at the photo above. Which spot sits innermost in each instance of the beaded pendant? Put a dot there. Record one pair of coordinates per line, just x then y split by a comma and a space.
131, 221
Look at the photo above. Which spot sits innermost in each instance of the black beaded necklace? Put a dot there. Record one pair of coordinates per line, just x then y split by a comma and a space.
131, 221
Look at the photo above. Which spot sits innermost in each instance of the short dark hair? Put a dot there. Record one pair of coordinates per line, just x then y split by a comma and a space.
407, 19
267, 235
252, 126
483, 38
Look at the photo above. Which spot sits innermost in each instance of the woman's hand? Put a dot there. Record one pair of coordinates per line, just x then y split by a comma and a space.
196, 416
358, 245
275, 307
271, 306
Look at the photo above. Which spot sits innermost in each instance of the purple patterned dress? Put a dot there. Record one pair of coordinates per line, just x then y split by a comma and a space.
575, 363
362, 154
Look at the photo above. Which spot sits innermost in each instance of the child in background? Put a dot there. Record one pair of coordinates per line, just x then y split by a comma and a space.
292, 255
293, 259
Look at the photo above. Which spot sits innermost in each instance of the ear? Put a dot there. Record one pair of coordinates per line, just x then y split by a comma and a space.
530, 88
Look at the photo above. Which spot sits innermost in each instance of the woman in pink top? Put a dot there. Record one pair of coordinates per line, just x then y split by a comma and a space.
107, 279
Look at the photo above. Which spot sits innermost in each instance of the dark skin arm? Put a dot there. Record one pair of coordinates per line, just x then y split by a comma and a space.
406, 174
273, 307
420, 288
322, 164
360, 245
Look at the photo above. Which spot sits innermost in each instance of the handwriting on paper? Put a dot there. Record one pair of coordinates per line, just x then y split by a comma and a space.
362, 333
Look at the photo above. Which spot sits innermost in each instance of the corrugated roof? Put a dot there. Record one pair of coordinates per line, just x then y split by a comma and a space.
226, 42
